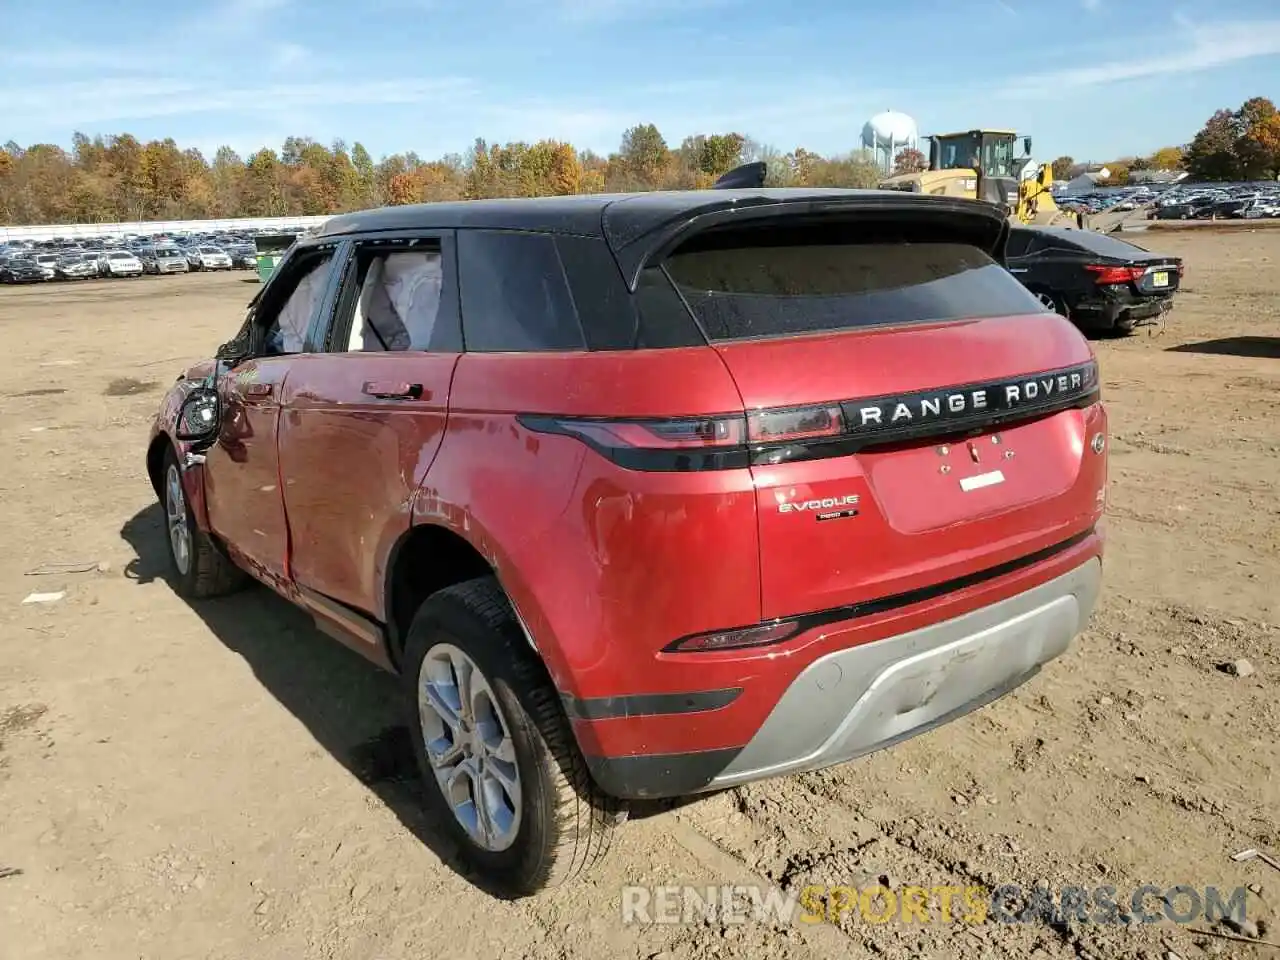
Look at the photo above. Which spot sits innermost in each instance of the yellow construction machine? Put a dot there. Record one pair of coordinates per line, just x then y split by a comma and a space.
981, 165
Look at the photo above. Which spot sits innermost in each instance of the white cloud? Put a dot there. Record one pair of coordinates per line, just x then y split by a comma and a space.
288, 56
78, 59
606, 11
1091, 4
68, 105
1202, 47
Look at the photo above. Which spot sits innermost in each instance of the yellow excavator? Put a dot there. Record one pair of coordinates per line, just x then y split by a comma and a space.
981, 165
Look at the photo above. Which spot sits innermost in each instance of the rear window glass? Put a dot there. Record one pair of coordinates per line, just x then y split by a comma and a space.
748, 292
1094, 242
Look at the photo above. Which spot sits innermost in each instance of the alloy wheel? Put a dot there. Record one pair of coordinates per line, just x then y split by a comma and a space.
469, 746
175, 505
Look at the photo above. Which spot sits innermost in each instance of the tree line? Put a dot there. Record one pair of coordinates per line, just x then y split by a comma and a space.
119, 178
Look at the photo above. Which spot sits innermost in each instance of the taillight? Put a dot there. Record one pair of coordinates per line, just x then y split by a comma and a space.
691, 434
677, 443
1104, 274
695, 443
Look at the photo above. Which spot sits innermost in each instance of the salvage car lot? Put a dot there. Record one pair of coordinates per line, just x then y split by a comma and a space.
222, 781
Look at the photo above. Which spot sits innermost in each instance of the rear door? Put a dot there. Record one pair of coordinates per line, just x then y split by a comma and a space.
363, 419
916, 415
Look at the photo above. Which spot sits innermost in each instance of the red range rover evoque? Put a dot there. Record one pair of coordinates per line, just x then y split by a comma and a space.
649, 495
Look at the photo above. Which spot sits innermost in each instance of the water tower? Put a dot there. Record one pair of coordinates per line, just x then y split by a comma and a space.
886, 135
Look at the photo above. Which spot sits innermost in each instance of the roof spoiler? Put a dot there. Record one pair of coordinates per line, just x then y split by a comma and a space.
746, 175
636, 243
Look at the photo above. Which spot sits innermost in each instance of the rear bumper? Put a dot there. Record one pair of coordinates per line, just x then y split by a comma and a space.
1106, 313
862, 698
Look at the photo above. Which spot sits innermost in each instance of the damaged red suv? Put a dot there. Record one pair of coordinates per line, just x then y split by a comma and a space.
650, 495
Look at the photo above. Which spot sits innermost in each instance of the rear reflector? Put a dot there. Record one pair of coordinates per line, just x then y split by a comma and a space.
761, 635
1104, 274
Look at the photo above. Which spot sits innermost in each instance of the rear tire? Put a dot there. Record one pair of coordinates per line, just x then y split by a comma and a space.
199, 568
503, 772
1053, 303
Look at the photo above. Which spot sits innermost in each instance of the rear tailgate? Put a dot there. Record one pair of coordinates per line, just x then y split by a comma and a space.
916, 416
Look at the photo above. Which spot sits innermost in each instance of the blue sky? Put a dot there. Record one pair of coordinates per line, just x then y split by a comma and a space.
1090, 78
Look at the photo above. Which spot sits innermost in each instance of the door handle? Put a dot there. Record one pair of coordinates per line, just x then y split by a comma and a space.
395, 390
257, 389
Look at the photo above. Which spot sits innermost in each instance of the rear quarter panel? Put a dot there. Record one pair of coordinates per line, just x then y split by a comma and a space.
604, 565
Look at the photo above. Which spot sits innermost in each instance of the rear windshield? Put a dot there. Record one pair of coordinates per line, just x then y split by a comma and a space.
759, 291
1094, 242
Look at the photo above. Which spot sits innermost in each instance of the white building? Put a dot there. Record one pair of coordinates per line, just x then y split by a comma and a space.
1087, 181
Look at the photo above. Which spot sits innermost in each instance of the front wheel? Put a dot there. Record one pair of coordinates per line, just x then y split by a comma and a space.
199, 568
502, 769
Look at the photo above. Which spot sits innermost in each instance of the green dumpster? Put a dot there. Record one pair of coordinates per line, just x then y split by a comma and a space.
271, 248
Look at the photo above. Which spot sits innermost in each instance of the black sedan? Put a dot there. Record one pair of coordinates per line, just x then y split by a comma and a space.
22, 270
1098, 281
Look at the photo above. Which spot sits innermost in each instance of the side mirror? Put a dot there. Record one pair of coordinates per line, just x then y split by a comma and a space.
1026, 145
198, 416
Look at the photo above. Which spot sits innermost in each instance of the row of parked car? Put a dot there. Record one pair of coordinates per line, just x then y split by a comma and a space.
1243, 201
24, 265
1218, 205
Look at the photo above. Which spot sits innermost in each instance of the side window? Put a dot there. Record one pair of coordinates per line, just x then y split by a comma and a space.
287, 313
515, 297
1018, 244
1036, 244
398, 295
398, 301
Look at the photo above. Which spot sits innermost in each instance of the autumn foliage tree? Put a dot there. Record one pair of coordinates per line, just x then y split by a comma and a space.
1243, 144
909, 160
1168, 158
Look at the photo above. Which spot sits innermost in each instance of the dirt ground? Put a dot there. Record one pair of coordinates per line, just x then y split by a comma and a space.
221, 781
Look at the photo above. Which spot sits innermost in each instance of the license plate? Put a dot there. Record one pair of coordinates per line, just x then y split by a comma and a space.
1160, 279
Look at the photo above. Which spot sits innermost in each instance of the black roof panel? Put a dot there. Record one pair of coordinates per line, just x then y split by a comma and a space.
578, 214
636, 225
623, 217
